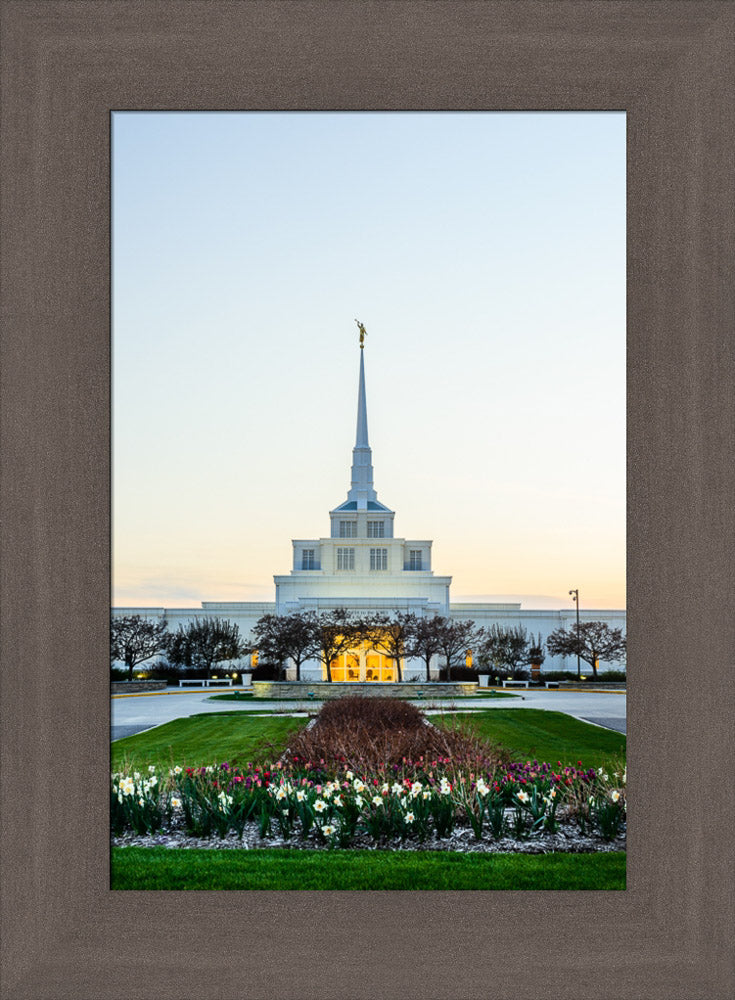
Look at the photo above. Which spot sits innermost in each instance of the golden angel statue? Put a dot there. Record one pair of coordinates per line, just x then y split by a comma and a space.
363, 332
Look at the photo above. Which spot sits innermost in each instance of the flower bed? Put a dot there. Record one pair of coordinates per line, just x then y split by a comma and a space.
426, 803
365, 734
375, 773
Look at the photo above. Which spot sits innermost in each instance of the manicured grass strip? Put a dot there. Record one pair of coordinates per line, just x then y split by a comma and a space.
235, 696
428, 699
169, 868
537, 734
480, 696
204, 739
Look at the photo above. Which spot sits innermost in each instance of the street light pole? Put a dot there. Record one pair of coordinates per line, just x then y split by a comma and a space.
575, 596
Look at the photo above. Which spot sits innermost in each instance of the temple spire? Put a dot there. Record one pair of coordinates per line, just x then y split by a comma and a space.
361, 438
361, 489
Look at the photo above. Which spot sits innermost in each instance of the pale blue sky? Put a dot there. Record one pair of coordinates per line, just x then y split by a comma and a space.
485, 254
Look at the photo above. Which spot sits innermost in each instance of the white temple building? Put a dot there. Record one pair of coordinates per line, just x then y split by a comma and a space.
362, 566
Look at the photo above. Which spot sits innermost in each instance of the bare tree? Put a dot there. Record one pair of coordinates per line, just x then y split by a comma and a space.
454, 639
505, 648
592, 642
391, 636
294, 637
336, 633
423, 641
134, 639
204, 643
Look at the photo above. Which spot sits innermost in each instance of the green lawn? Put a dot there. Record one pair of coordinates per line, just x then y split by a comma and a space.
428, 699
238, 737
234, 696
208, 738
168, 868
536, 734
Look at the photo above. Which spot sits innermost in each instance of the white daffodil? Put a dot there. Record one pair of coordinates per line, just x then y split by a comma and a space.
397, 789
141, 802
327, 831
281, 793
522, 796
410, 817
359, 801
338, 800
349, 775
615, 796
358, 785
300, 795
320, 805
151, 769
136, 775
176, 803
425, 795
481, 787
177, 769
377, 800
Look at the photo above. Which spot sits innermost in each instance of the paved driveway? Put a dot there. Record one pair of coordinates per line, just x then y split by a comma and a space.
134, 713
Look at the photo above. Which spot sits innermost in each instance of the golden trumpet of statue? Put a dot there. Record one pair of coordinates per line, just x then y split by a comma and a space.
363, 332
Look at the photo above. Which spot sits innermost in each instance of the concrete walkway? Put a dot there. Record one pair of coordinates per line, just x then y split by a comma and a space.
132, 714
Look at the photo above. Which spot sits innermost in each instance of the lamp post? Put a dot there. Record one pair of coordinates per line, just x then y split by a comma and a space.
575, 597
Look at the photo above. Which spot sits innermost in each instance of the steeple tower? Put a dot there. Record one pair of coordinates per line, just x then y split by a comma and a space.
361, 488
361, 564
361, 496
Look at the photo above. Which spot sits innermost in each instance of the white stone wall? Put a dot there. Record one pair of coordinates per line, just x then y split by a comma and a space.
242, 614
246, 614
541, 621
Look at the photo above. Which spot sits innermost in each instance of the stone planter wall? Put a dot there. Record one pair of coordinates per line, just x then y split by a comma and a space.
593, 685
132, 687
322, 689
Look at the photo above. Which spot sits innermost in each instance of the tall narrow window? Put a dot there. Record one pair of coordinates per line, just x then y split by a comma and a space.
348, 529
307, 559
378, 558
345, 558
376, 529
414, 559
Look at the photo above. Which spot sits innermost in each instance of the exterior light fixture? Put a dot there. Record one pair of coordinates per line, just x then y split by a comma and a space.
575, 597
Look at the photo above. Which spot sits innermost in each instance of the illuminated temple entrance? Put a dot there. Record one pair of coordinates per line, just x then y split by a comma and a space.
362, 664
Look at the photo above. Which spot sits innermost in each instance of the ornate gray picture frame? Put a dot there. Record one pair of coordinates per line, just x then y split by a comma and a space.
66, 66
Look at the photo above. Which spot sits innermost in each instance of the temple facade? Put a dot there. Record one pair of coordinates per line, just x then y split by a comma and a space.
360, 565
